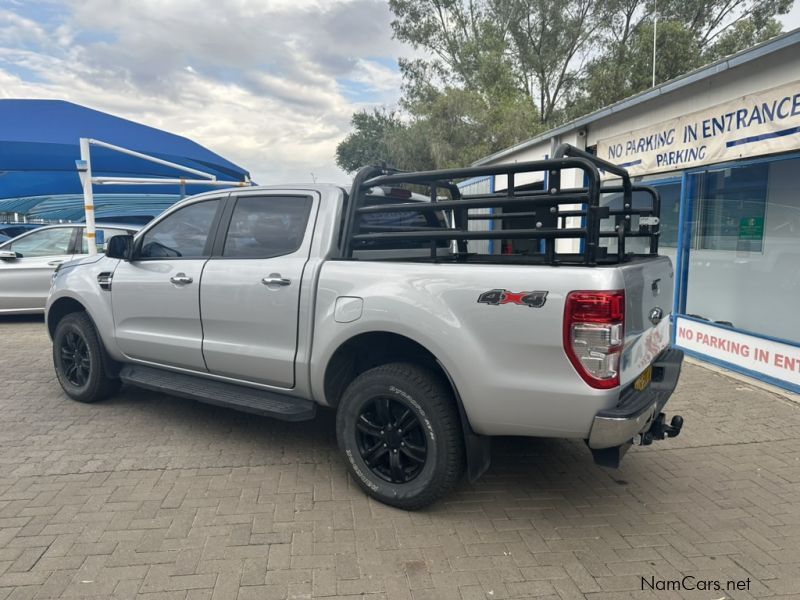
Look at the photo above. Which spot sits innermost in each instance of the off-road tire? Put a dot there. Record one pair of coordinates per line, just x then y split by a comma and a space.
413, 387
99, 383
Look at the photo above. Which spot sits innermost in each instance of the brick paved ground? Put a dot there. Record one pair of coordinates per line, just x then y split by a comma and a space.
156, 497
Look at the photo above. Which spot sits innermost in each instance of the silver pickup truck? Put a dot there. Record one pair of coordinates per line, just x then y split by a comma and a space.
428, 319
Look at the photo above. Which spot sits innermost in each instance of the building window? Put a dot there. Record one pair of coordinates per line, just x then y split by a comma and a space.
670, 194
730, 207
744, 259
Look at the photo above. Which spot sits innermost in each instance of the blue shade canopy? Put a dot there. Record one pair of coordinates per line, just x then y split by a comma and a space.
108, 207
39, 144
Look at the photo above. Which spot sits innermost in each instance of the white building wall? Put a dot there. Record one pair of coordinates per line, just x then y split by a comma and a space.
479, 186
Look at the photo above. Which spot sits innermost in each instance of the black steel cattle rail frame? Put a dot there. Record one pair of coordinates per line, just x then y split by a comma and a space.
550, 199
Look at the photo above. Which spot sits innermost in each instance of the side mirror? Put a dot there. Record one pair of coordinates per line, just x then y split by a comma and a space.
120, 246
9, 255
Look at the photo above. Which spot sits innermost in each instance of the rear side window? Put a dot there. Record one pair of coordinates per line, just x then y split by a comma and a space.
183, 234
266, 226
382, 222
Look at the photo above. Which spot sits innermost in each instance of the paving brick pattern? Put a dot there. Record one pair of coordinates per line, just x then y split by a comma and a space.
149, 496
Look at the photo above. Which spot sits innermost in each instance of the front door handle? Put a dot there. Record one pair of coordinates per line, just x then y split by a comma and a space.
275, 279
181, 279
55, 263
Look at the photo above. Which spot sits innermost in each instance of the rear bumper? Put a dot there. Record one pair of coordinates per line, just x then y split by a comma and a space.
636, 411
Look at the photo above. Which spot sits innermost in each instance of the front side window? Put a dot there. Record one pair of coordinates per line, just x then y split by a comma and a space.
183, 234
266, 226
47, 242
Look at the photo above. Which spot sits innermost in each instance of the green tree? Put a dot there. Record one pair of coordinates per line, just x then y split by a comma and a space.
604, 82
547, 43
689, 34
369, 142
452, 128
496, 72
498, 47
744, 34
460, 126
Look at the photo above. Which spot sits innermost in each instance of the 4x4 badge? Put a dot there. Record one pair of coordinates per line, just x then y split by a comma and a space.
497, 297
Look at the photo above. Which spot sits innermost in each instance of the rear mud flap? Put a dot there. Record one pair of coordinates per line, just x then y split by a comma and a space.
610, 457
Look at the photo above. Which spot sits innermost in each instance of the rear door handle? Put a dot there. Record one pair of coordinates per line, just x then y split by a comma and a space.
181, 279
275, 279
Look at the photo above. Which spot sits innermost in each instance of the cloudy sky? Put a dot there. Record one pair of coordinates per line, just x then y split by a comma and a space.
269, 84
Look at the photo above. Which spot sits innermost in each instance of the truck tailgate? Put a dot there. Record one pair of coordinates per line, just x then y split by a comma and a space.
648, 301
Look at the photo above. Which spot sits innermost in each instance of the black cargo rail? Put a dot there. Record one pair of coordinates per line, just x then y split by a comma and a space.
551, 207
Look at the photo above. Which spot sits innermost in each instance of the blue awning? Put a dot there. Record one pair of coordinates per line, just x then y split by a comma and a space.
69, 207
39, 144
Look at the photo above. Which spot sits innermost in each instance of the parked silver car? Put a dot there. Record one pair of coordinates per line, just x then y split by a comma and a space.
274, 300
28, 261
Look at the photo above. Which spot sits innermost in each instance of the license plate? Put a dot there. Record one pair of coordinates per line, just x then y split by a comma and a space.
644, 379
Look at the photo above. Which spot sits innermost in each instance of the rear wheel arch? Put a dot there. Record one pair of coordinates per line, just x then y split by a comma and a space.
372, 349
366, 351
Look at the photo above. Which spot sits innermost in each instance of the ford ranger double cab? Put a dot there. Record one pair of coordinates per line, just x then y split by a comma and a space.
427, 318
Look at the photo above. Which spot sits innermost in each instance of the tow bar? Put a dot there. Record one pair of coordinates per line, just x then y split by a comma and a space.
659, 430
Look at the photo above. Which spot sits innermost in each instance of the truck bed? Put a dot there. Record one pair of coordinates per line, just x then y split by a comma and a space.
507, 360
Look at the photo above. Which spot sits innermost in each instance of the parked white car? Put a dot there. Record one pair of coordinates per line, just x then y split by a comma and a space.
27, 262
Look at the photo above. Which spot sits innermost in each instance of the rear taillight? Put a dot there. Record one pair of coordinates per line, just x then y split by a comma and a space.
593, 335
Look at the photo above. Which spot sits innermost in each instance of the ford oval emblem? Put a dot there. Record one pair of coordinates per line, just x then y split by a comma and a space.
656, 314
655, 287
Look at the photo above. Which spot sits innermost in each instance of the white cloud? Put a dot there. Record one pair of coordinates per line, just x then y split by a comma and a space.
269, 85
376, 77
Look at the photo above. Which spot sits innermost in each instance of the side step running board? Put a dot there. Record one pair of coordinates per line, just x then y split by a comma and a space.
260, 402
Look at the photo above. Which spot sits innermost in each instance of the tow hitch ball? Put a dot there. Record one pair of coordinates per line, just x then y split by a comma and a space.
659, 430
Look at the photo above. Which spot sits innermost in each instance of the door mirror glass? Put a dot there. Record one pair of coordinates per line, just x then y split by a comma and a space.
120, 246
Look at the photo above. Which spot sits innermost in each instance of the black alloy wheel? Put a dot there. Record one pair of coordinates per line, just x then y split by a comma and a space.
75, 359
398, 427
390, 440
83, 368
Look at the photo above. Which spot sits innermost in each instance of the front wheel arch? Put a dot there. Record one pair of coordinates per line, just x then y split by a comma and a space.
77, 347
66, 306
60, 309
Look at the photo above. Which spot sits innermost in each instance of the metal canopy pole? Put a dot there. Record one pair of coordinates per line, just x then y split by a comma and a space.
111, 180
152, 159
85, 173
84, 166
